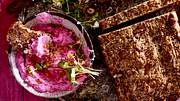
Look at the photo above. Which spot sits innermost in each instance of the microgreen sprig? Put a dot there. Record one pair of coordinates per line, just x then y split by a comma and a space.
77, 68
29, 69
38, 67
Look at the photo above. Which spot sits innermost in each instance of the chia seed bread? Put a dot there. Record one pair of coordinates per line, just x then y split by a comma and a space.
18, 35
144, 58
137, 11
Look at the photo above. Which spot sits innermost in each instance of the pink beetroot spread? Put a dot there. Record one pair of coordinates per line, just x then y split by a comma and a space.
54, 61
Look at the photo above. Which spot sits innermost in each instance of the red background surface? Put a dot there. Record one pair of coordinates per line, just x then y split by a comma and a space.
10, 90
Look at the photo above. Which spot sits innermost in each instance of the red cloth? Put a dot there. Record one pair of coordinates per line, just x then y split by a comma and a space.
10, 89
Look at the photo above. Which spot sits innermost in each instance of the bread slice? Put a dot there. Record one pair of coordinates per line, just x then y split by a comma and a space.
144, 58
19, 35
136, 11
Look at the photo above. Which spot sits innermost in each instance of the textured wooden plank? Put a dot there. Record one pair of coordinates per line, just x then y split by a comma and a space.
144, 58
134, 12
10, 89
31, 97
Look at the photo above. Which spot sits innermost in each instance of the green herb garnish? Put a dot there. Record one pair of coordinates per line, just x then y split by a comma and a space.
38, 67
79, 55
70, 46
63, 64
70, 55
29, 69
68, 74
73, 76
77, 68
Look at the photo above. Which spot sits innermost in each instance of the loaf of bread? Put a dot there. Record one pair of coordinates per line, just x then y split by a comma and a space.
136, 11
144, 58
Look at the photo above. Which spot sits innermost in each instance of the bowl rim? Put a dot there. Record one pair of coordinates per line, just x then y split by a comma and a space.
15, 71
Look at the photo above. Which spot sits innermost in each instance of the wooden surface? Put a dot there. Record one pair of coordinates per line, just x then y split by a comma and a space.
10, 89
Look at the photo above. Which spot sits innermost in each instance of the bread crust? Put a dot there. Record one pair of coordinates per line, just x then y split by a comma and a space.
144, 58
136, 11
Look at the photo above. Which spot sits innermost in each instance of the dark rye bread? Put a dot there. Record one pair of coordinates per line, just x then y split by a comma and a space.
144, 58
137, 11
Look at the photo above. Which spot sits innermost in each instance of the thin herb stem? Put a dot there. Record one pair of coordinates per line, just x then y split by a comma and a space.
67, 6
